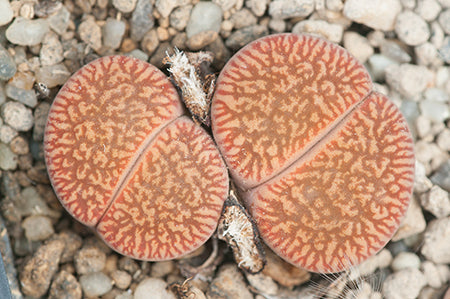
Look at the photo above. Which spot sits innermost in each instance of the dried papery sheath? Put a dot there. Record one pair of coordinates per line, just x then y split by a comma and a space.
237, 228
189, 72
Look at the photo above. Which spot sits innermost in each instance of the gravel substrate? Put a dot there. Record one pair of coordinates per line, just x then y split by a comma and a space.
405, 45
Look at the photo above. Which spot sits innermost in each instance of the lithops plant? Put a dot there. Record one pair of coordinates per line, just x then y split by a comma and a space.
324, 164
124, 160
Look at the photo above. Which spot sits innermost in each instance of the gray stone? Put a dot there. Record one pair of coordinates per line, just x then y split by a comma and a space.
59, 22
8, 68
332, 32
26, 32
26, 97
141, 19
436, 241
40, 118
444, 20
243, 18
378, 63
405, 284
358, 45
411, 28
377, 14
428, 9
179, 18
37, 228
241, 37
441, 176
436, 201
139, 54
52, 75
96, 284
412, 224
258, 7
205, 16
394, 51
285, 9
124, 6
113, 32
155, 286
52, 50
8, 160
7, 134
405, 260
17, 116
408, 79
6, 12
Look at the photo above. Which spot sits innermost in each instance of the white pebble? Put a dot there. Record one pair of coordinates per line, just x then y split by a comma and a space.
113, 32
432, 274
285, 9
436, 241
7, 134
421, 182
6, 12
37, 227
154, 286
258, 7
436, 111
405, 260
17, 116
377, 14
412, 224
428, 9
124, 6
205, 16
378, 64
411, 28
358, 45
52, 50
332, 32
405, 284
27, 32
96, 284
408, 79
444, 20
436, 201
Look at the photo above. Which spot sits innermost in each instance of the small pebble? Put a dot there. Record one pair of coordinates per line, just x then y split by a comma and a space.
40, 119
332, 32
91, 33
65, 286
444, 20
441, 176
379, 14
393, 50
201, 40
435, 111
405, 284
408, 79
243, 18
89, 259
436, 201
113, 32
358, 45
405, 260
411, 28
37, 228
412, 224
378, 64
444, 50
282, 272
8, 160
155, 286
285, 9
124, 6
96, 284
226, 5
8, 68
52, 50
432, 274
179, 18
229, 283
141, 19
263, 283
165, 7
205, 16
150, 42
72, 243
38, 271
436, 241
17, 116
26, 32
379, 261
426, 54
258, 7
7, 134
59, 22
6, 12
26, 97
121, 279
421, 182
19, 145
52, 75
428, 9
241, 37
161, 269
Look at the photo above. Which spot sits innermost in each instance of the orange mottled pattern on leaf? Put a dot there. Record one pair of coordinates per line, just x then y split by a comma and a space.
97, 123
173, 199
343, 201
276, 96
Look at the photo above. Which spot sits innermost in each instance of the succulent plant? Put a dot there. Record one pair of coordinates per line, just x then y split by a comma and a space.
325, 164
123, 159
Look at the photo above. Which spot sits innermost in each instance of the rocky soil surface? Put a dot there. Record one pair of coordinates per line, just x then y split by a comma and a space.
405, 44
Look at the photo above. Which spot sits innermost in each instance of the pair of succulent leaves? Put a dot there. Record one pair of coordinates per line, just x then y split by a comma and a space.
324, 164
